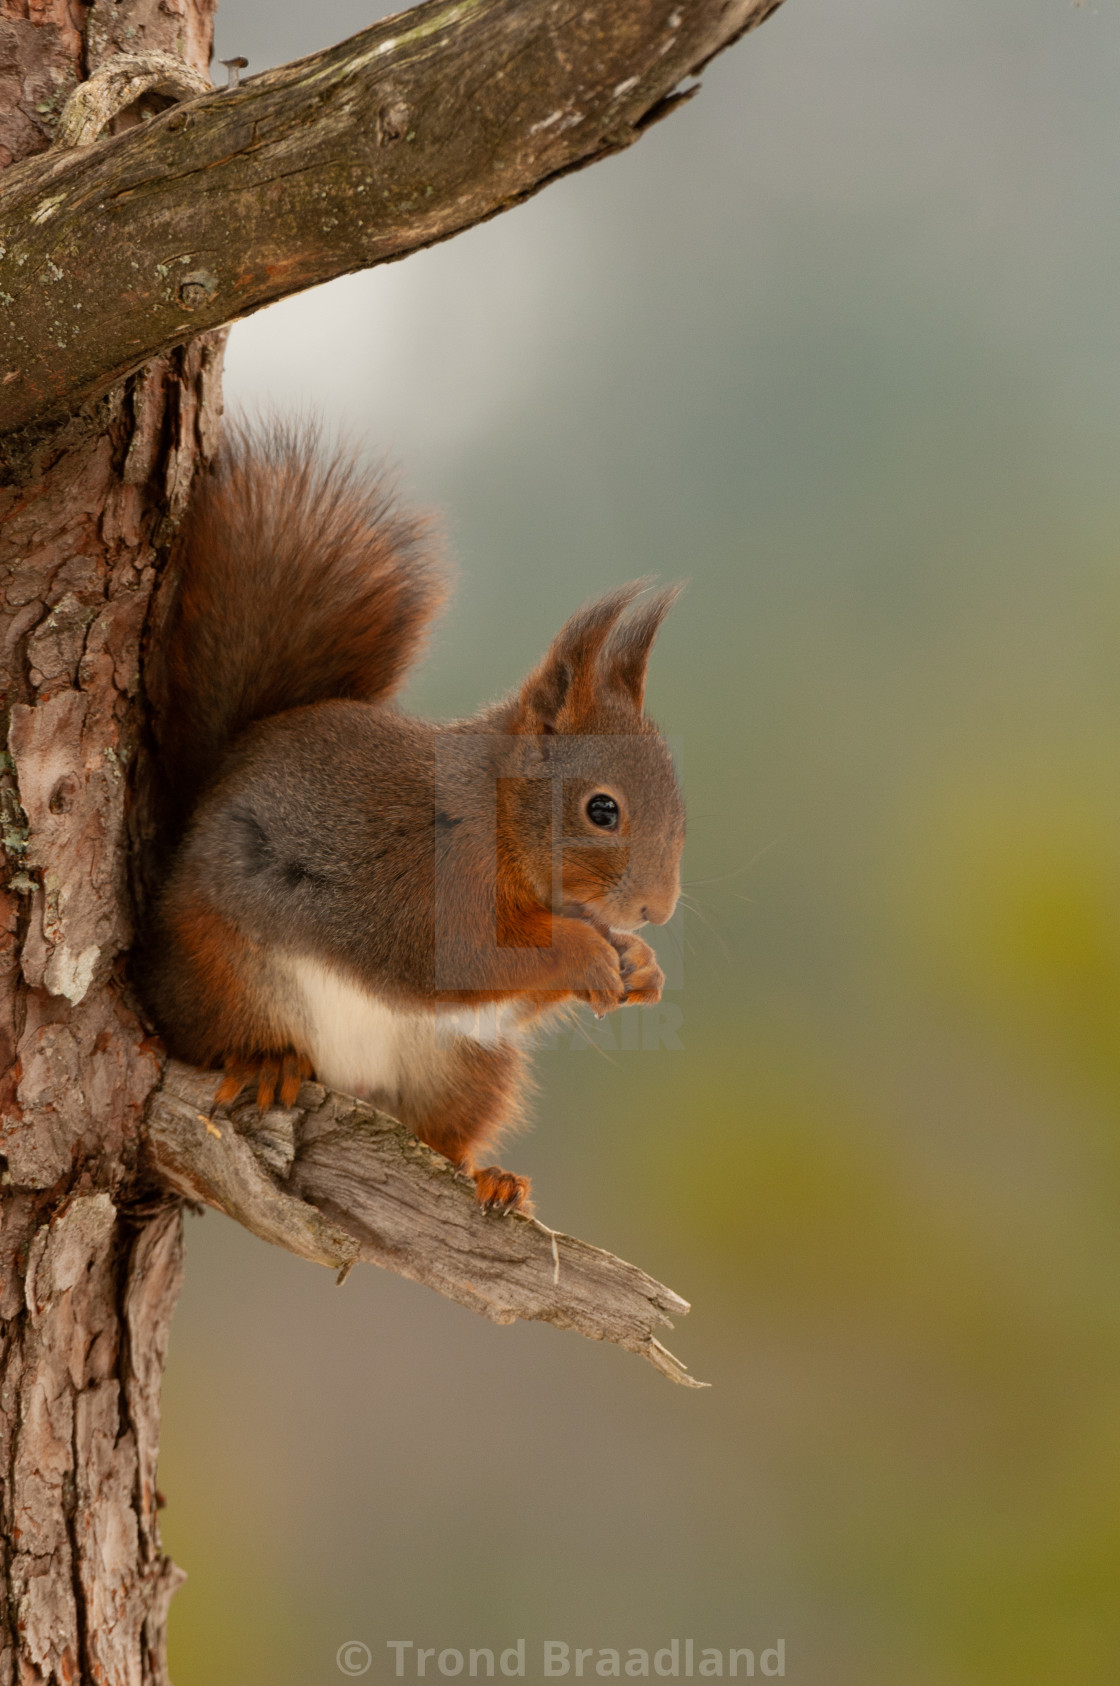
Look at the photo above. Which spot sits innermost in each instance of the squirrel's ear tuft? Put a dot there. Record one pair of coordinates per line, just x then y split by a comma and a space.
627, 655
568, 681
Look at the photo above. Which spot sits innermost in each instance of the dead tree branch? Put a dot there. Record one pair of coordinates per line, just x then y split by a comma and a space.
334, 1181
427, 123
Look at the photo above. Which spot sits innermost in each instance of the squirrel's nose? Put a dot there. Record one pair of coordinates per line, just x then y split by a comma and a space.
659, 911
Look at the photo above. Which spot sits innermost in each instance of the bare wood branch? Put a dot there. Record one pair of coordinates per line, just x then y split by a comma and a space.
427, 123
334, 1181
119, 83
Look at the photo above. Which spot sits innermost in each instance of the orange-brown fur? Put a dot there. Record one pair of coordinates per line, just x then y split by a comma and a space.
296, 578
313, 835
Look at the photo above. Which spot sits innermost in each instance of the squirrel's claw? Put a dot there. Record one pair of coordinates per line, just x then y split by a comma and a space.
238, 1073
294, 1068
267, 1079
601, 1004
268, 1071
502, 1191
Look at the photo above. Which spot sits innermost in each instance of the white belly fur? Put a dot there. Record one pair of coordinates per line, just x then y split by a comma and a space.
365, 1047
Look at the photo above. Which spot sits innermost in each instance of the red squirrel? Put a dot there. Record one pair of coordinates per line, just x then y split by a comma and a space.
383, 902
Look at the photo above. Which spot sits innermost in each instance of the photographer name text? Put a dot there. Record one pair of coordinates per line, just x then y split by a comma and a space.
678, 1660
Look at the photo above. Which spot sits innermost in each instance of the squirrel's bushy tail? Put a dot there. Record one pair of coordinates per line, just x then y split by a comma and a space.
296, 580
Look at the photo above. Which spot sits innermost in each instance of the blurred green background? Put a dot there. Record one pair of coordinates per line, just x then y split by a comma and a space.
840, 344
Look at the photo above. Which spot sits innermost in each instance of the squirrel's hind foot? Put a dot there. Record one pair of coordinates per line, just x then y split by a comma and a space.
502, 1191
270, 1072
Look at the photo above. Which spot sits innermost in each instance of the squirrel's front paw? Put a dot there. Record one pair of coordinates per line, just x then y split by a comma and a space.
502, 1191
642, 978
603, 986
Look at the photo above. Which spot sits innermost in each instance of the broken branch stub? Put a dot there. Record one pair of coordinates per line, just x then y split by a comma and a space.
334, 1181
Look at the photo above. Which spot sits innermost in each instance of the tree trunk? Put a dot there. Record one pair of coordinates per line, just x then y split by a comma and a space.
87, 1284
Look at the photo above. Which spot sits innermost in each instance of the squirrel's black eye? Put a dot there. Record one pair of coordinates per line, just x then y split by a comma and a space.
602, 811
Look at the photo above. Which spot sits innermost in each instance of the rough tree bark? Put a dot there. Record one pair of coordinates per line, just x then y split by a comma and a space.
87, 1286
110, 402
87, 1281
